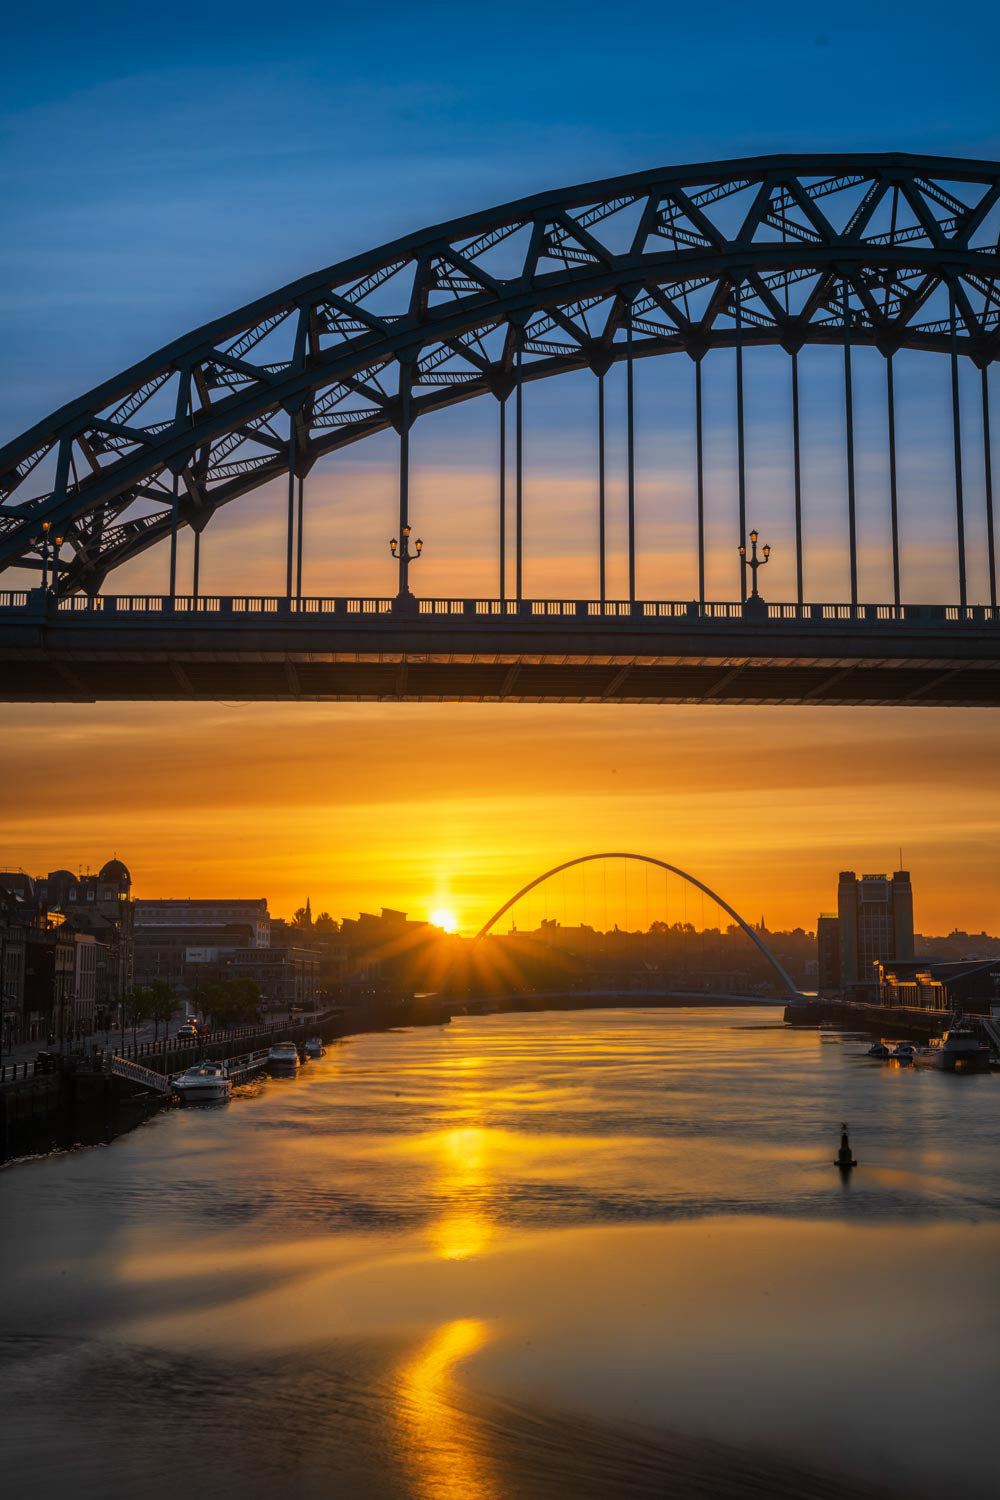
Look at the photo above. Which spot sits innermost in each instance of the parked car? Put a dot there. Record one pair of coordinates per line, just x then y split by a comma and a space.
187, 1032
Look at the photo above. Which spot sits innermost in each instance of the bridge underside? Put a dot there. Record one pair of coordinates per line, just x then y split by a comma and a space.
697, 662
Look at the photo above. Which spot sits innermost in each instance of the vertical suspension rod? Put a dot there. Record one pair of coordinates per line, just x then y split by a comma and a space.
741, 462
197, 563
890, 391
298, 543
601, 489
852, 520
797, 477
956, 424
291, 504
174, 503
404, 476
503, 497
630, 437
988, 466
700, 462
183, 407
519, 465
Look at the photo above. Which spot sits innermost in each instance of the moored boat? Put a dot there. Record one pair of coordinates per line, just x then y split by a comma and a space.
958, 1050
879, 1050
314, 1047
903, 1052
283, 1057
204, 1083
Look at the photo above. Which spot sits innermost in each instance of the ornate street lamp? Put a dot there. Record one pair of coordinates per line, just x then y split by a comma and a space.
43, 543
754, 562
56, 549
404, 557
48, 546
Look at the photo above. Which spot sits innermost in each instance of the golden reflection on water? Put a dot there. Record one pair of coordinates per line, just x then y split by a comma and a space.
463, 1175
463, 1171
440, 1442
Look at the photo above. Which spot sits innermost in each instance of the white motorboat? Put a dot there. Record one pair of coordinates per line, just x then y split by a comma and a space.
904, 1052
205, 1083
314, 1047
283, 1057
958, 1050
879, 1050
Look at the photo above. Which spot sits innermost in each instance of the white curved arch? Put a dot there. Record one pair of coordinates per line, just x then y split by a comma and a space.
649, 859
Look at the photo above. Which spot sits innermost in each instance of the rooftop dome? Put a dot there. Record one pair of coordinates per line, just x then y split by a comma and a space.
63, 875
116, 871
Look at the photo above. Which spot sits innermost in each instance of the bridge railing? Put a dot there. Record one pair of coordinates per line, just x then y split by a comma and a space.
277, 607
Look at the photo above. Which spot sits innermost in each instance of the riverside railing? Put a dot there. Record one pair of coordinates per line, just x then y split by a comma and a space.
264, 1031
16, 1072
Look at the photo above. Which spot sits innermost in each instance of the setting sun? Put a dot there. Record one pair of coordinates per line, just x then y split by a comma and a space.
443, 916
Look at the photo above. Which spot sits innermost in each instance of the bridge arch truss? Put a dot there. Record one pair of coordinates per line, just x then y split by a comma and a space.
894, 251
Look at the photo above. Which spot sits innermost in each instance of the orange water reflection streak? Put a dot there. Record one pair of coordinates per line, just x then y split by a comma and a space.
463, 1176
442, 1446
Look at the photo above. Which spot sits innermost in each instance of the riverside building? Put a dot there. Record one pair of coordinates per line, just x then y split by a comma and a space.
68, 951
210, 914
873, 925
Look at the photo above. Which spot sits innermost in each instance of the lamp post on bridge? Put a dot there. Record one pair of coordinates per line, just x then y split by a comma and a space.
49, 546
401, 552
754, 607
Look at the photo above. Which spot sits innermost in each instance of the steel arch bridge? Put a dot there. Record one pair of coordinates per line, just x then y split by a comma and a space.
792, 989
893, 251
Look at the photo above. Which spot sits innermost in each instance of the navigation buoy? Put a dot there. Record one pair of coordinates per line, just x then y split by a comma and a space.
845, 1161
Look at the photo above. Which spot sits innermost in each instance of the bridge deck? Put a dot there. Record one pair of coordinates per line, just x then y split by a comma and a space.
564, 651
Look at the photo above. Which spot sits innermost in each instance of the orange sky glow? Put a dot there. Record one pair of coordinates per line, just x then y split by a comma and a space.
454, 806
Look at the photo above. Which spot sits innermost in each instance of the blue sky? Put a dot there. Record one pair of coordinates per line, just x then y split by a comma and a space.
160, 164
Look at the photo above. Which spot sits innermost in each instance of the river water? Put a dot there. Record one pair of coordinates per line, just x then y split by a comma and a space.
591, 1254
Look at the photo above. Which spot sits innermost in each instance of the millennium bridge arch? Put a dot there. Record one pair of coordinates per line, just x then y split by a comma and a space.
791, 988
894, 252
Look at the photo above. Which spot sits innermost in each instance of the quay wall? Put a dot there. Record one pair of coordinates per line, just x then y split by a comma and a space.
607, 1000
71, 1106
880, 1020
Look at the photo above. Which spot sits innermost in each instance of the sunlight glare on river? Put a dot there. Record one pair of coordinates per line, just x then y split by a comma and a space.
595, 1254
